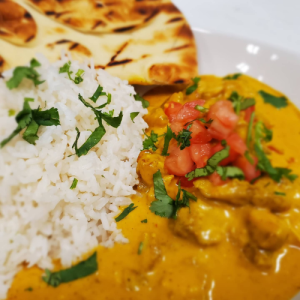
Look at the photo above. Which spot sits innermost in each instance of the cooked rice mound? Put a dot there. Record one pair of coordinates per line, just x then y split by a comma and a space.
41, 218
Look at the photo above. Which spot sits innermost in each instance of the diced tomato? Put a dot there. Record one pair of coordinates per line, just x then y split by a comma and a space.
249, 170
172, 109
236, 143
231, 158
200, 135
194, 103
216, 179
223, 111
185, 183
218, 131
177, 126
179, 162
188, 112
200, 153
248, 113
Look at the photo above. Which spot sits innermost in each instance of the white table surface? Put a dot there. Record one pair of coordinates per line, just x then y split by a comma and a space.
275, 22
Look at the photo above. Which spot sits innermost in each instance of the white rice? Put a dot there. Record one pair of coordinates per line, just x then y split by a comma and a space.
41, 218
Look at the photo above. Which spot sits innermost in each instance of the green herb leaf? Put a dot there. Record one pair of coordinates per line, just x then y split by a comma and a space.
29, 99
113, 121
49, 117
78, 77
278, 102
201, 109
30, 289
163, 206
250, 128
233, 76
11, 112
23, 119
249, 158
20, 73
126, 212
206, 122
144, 221
279, 193
30, 134
141, 247
184, 138
99, 92
149, 142
133, 115
236, 100
74, 184
145, 103
211, 166
193, 87
83, 269
92, 141
99, 132
230, 172
248, 102
168, 137
66, 69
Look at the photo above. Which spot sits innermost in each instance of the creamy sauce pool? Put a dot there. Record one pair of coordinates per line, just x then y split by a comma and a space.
171, 266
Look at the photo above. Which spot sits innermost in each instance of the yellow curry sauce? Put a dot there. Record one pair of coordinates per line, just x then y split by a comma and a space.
238, 241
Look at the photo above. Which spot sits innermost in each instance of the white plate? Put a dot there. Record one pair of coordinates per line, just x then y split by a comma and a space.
222, 54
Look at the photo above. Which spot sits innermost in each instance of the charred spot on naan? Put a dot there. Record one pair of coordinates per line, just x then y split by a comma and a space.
99, 16
17, 26
3, 65
77, 50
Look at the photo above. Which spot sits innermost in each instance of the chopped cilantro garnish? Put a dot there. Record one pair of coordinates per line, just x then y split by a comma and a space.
144, 221
278, 102
74, 184
168, 137
206, 122
141, 247
249, 158
145, 103
240, 103
32, 119
233, 76
126, 212
66, 69
193, 87
279, 193
29, 99
165, 206
99, 132
211, 166
149, 142
201, 109
264, 164
82, 269
183, 138
250, 128
230, 172
11, 112
99, 92
20, 73
133, 115
30, 289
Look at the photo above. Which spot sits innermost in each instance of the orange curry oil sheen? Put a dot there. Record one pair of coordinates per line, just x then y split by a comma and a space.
238, 241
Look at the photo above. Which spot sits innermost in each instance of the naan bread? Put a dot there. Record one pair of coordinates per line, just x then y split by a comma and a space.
16, 23
98, 16
3, 65
161, 51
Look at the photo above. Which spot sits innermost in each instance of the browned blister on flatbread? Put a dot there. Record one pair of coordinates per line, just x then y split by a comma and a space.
16, 23
161, 50
3, 64
98, 16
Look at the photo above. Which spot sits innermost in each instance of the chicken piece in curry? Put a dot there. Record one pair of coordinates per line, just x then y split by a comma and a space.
218, 203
